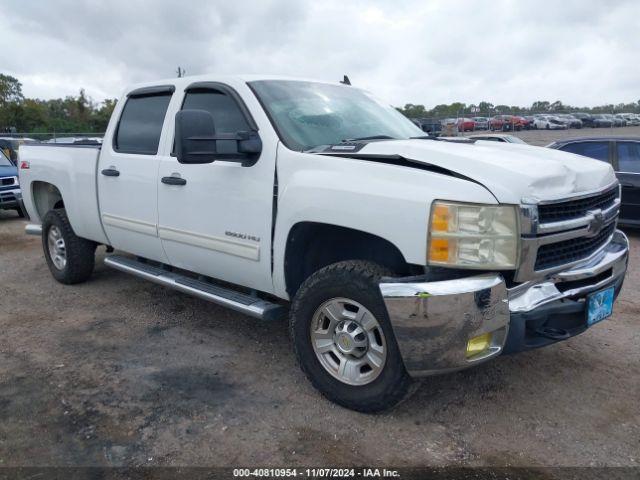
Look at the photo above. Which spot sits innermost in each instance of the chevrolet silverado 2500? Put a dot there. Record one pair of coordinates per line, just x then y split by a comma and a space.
394, 255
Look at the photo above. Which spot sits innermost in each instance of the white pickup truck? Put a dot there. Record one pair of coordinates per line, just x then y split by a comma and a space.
393, 254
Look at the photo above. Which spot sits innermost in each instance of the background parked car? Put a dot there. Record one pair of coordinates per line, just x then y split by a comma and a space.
622, 118
548, 122
529, 119
570, 120
562, 120
498, 137
631, 118
481, 123
600, 120
9, 185
623, 153
501, 122
466, 125
585, 118
518, 122
617, 122
429, 125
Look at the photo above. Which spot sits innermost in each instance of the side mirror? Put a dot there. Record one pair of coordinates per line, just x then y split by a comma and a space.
196, 141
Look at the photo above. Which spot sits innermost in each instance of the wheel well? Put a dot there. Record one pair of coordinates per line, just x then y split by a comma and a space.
312, 246
46, 196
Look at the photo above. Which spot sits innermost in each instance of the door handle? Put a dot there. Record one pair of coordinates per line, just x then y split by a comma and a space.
110, 172
173, 181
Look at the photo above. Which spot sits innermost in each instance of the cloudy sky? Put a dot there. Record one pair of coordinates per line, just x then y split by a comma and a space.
583, 52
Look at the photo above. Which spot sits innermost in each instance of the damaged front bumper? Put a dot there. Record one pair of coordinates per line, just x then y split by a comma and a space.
434, 322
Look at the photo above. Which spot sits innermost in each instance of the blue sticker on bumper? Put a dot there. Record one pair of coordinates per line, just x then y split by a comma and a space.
599, 306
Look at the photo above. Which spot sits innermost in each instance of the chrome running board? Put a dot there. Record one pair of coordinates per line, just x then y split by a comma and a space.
240, 302
33, 229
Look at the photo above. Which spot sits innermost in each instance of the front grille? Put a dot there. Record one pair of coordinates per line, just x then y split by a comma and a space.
557, 212
7, 181
7, 197
568, 251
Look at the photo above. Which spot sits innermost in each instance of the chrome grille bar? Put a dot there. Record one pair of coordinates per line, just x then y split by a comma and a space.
536, 234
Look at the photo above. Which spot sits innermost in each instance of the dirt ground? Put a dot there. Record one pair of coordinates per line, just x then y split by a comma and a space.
118, 371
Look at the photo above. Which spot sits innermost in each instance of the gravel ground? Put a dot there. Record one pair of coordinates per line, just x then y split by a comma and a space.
118, 371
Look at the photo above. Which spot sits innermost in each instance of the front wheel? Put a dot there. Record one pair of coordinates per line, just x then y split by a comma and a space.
343, 338
70, 258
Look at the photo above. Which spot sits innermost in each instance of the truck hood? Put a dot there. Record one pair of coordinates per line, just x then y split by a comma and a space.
510, 171
8, 171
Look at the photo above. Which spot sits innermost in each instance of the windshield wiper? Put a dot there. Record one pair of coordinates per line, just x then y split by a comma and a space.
372, 137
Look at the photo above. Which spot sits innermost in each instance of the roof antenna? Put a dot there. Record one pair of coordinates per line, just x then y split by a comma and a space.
345, 80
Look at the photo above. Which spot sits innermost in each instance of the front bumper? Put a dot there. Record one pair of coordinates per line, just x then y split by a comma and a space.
10, 198
434, 321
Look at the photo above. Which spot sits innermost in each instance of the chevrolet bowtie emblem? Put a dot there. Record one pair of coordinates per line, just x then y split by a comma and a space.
597, 222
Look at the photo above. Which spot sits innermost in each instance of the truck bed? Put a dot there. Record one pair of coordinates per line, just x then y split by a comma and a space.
72, 169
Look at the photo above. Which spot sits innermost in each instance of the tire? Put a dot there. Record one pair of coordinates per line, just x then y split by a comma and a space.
357, 282
78, 253
20, 212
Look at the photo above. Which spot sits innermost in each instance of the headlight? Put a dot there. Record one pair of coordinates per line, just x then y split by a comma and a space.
473, 236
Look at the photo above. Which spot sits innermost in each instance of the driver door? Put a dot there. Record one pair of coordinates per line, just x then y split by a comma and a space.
216, 219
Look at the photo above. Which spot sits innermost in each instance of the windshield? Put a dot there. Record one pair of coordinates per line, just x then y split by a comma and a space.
4, 161
310, 114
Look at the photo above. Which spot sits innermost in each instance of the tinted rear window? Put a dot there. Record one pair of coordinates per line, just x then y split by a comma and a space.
597, 150
141, 124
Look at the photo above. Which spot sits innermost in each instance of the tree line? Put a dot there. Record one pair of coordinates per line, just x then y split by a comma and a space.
487, 109
72, 114
80, 114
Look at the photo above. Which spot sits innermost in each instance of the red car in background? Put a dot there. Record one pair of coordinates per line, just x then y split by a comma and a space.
501, 122
466, 125
521, 123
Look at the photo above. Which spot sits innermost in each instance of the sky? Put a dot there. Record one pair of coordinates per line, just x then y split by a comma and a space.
514, 52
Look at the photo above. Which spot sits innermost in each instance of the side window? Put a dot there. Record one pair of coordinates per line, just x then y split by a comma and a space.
597, 150
628, 157
140, 124
227, 116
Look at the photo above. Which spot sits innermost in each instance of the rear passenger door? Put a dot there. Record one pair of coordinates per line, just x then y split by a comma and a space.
628, 171
128, 174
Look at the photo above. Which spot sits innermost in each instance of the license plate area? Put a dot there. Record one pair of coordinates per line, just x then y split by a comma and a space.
599, 306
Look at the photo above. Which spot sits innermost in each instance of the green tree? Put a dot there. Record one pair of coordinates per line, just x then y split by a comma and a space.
413, 111
10, 100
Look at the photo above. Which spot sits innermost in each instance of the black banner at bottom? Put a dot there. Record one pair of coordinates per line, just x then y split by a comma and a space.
428, 473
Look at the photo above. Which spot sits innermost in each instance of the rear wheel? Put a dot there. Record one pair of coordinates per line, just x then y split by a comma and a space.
71, 259
343, 338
